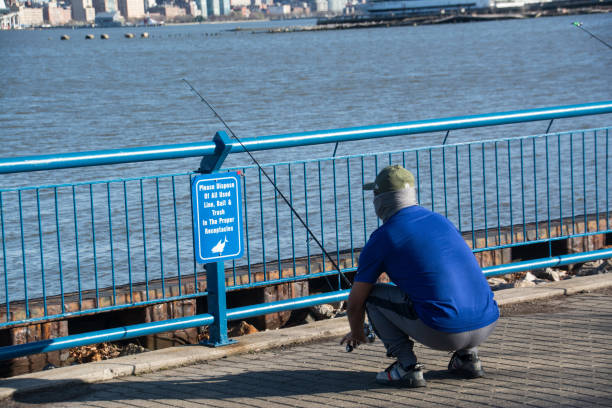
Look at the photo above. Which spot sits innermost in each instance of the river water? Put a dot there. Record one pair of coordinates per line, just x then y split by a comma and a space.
77, 95
80, 95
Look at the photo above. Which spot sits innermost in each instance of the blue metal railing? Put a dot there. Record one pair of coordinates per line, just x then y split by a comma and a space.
177, 151
78, 248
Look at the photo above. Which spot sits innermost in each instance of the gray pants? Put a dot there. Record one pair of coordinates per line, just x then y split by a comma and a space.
395, 323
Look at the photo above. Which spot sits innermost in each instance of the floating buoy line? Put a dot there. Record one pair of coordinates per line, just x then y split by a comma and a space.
144, 34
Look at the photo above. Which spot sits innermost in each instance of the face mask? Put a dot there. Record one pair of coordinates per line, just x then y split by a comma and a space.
387, 204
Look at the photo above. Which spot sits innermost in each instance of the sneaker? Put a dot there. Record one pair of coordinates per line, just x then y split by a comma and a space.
468, 365
395, 374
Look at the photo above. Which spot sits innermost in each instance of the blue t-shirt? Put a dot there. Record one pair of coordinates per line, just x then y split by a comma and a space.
425, 255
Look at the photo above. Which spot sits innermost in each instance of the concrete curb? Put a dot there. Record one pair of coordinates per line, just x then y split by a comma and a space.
186, 355
548, 290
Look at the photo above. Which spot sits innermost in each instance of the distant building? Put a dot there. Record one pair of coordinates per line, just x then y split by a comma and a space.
213, 8
192, 8
202, 7
336, 6
279, 11
225, 7
11, 15
301, 10
218, 7
243, 12
321, 6
30, 17
9, 21
352, 6
131, 9
82, 10
105, 6
56, 16
169, 11
240, 3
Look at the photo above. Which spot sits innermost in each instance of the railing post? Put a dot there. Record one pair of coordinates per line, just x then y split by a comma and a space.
215, 281
215, 272
212, 163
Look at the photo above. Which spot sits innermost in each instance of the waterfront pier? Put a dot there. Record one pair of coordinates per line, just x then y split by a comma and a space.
114, 260
547, 353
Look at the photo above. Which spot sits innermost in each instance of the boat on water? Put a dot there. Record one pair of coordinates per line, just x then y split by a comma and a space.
150, 21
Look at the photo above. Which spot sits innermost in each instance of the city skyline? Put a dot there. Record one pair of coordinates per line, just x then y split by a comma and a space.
36, 13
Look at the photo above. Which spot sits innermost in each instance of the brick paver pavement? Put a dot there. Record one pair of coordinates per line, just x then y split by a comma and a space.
551, 359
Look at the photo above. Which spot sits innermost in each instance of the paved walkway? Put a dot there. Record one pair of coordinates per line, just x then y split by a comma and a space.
558, 357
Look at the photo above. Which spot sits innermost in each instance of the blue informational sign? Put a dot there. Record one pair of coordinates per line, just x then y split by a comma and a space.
217, 217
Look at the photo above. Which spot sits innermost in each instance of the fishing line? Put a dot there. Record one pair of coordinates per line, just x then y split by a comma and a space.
445, 137
549, 126
335, 150
579, 25
334, 264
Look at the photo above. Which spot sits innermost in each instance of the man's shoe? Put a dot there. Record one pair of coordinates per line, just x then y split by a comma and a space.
468, 365
396, 375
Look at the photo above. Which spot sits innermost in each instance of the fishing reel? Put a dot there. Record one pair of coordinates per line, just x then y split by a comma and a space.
368, 332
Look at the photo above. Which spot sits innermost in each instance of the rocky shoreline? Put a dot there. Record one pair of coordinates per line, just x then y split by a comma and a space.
354, 22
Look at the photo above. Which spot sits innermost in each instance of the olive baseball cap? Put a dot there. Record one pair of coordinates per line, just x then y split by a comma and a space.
391, 178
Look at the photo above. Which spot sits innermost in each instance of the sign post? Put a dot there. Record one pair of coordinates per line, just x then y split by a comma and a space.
218, 237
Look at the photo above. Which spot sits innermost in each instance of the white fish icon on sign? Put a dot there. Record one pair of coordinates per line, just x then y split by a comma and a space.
219, 247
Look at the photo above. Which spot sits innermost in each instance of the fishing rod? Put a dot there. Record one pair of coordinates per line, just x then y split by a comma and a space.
334, 264
579, 25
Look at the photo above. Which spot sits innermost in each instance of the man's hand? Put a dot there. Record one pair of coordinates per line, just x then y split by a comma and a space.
355, 310
353, 341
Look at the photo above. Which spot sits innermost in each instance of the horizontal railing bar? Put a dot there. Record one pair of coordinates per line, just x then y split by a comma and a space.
144, 329
280, 163
115, 334
87, 312
446, 146
177, 151
103, 157
538, 241
422, 126
547, 262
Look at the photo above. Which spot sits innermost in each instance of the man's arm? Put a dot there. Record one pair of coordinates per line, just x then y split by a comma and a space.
356, 313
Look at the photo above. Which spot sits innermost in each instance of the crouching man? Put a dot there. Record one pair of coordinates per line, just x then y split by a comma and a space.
440, 298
